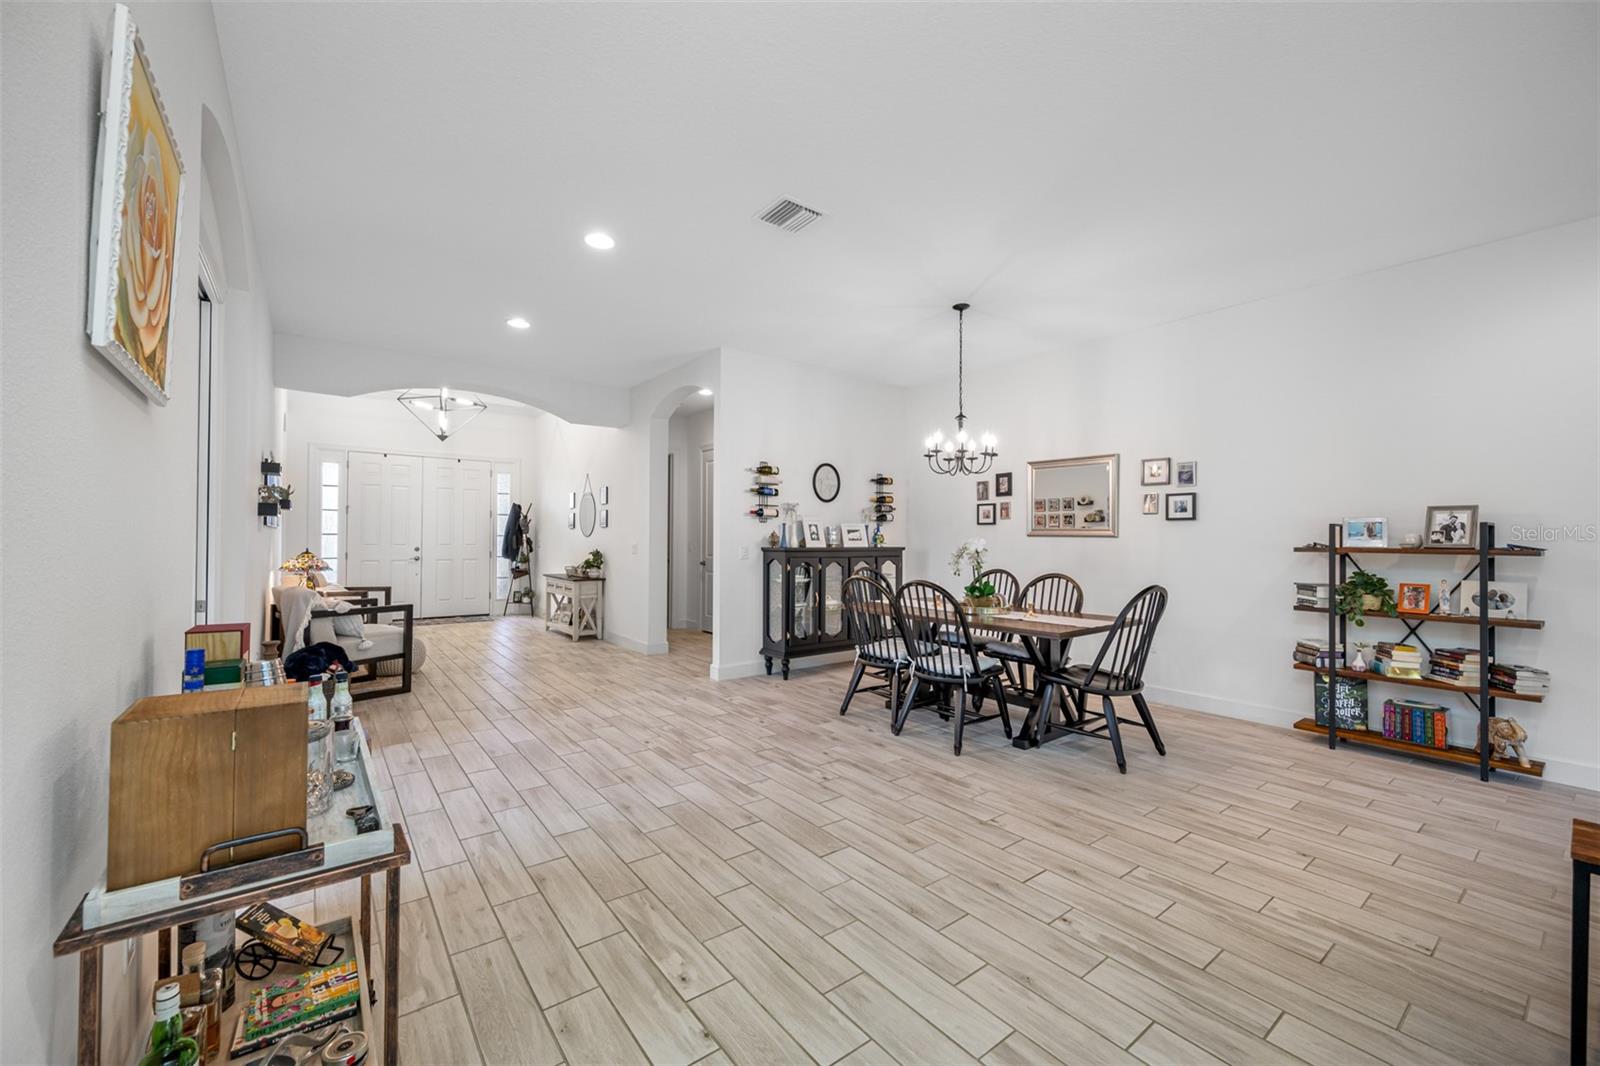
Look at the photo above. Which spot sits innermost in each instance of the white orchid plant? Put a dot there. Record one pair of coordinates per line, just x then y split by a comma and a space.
971, 554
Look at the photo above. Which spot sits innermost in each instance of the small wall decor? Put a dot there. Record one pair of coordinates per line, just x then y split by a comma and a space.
1365, 532
605, 518
1002, 484
1152, 503
1451, 526
986, 514
272, 495
605, 495
1156, 472
588, 510
813, 533
1005, 510
1186, 472
983, 490
825, 482
1181, 506
764, 486
138, 200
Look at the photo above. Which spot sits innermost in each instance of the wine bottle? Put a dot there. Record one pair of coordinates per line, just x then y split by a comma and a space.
881, 499
766, 468
763, 511
764, 490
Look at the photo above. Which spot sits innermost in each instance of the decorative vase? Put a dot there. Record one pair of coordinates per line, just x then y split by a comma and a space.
1371, 603
982, 606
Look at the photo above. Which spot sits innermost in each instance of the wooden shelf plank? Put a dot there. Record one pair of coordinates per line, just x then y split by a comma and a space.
1423, 682
1461, 756
1460, 619
1501, 553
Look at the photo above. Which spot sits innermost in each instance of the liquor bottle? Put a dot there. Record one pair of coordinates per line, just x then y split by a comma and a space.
764, 490
316, 701
206, 1016
343, 711
168, 1046
764, 512
216, 932
765, 467
881, 499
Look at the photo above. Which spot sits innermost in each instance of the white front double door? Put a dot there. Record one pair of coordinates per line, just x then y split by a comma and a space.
424, 527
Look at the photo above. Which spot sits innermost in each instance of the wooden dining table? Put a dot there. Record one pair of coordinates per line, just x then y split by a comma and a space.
1045, 635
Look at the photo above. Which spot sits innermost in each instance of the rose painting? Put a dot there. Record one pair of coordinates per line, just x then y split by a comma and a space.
139, 195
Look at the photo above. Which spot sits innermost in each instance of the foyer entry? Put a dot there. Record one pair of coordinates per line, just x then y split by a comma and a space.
425, 527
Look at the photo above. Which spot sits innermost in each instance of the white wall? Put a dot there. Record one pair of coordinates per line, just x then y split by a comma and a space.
1466, 378
689, 433
793, 416
98, 483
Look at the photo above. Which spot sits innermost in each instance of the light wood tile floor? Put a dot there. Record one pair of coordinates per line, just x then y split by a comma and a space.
619, 860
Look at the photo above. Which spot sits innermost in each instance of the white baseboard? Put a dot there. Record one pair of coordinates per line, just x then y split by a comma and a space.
642, 647
758, 667
1561, 771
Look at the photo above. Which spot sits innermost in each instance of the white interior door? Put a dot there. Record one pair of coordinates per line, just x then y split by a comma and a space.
707, 558
457, 537
384, 544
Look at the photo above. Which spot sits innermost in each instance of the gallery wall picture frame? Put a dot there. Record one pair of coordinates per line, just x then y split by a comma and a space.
1450, 526
1185, 474
1152, 503
1002, 484
983, 489
572, 519
605, 495
986, 513
605, 518
1182, 506
1155, 471
135, 228
825, 482
1005, 510
1365, 532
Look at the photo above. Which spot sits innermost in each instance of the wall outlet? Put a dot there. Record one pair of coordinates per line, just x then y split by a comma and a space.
744, 551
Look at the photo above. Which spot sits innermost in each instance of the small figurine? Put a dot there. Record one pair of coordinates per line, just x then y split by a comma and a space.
1508, 733
1444, 595
772, 538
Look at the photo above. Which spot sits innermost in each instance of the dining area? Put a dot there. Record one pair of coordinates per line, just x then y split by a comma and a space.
1003, 645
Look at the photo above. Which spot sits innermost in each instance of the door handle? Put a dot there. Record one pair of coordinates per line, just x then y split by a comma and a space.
416, 558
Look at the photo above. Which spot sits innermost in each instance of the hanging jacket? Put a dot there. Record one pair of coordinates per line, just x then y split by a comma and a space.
513, 533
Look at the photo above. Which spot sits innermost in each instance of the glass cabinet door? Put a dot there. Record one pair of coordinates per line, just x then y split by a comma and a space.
833, 598
775, 601
890, 571
803, 617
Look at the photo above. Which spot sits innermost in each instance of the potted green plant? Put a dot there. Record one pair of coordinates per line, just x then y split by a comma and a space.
980, 591
1364, 591
594, 564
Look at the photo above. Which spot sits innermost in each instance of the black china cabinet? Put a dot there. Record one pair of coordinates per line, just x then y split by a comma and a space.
802, 597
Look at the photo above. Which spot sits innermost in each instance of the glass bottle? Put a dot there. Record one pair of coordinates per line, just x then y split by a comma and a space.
345, 746
168, 1046
319, 750
208, 1012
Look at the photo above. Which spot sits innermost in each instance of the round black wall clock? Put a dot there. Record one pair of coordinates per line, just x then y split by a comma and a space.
825, 482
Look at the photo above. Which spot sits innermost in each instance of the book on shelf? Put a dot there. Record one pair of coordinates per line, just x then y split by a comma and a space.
1416, 722
1311, 594
1397, 660
1456, 666
1315, 653
285, 1005
1512, 677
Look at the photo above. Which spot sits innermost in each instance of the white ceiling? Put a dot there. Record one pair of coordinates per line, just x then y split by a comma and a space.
419, 171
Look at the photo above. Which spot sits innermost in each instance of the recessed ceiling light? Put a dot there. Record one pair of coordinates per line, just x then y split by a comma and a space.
705, 392
600, 241
518, 322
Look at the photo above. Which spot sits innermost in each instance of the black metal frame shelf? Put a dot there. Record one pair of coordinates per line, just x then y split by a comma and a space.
1482, 697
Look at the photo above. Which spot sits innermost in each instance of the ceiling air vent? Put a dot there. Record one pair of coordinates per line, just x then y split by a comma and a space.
789, 216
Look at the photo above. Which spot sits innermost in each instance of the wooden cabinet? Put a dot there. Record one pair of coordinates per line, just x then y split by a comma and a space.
802, 592
191, 771
575, 605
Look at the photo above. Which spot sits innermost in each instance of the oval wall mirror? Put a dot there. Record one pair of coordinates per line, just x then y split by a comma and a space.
587, 510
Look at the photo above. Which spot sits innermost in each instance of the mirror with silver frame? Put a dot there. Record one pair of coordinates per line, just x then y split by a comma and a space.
1073, 497
587, 512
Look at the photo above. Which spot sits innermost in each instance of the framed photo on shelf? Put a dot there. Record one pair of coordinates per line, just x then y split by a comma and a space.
986, 514
1185, 473
1507, 599
1002, 484
855, 536
1366, 532
1414, 597
983, 489
1156, 472
835, 537
813, 534
1181, 506
1451, 526
1152, 503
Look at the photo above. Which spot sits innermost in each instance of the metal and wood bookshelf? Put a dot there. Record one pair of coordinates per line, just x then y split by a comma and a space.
1483, 696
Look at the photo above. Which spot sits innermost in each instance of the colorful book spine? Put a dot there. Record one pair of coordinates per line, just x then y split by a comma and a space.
1441, 726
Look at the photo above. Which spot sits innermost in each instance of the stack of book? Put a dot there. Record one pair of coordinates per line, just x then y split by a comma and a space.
1311, 594
1456, 666
1416, 722
1315, 652
1528, 680
1397, 660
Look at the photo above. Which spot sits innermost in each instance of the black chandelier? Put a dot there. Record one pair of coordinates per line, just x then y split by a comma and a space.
961, 454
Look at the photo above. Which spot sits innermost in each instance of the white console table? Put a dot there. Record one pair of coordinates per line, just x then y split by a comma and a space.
575, 605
